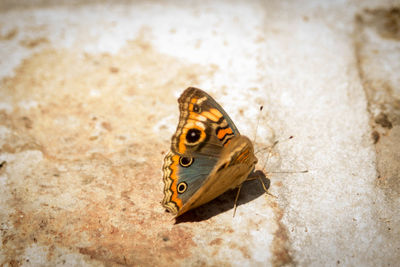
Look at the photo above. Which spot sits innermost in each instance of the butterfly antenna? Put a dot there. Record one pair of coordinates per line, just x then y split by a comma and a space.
258, 122
259, 175
269, 154
271, 148
303, 171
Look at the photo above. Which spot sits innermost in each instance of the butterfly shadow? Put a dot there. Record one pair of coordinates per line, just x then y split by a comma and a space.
250, 190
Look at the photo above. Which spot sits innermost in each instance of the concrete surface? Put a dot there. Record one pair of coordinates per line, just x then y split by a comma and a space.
88, 106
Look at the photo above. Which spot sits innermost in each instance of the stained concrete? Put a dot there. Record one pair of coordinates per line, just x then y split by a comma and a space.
88, 106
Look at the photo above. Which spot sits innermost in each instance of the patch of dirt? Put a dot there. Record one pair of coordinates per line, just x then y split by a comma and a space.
85, 170
377, 46
31, 43
385, 21
280, 243
9, 35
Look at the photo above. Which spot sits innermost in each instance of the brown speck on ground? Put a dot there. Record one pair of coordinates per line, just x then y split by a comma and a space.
31, 43
9, 35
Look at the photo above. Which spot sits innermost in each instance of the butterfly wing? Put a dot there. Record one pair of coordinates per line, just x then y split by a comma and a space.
181, 182
236, 162
204, 127
201, 151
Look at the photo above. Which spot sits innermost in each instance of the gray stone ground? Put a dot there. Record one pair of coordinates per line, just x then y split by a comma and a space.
88, 106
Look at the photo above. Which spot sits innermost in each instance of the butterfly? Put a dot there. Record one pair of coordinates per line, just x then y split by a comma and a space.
208, 154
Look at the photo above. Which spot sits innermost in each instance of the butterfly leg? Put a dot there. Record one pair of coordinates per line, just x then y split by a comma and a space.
264, 187
236, 199
259, 175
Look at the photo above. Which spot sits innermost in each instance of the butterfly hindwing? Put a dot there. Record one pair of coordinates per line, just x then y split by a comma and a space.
232, 169
182, 182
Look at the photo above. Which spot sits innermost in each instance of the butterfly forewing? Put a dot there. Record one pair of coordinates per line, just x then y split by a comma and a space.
204, 127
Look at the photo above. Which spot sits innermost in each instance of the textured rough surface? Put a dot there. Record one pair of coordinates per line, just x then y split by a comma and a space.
88, 106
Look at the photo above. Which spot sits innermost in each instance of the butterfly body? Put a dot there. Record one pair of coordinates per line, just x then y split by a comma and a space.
208, 155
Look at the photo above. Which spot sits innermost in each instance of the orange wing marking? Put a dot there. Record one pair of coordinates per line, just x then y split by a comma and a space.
243, 156
190, 124
174, 177
223, 132
227, 142
192, 102
216, 112
213, 115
